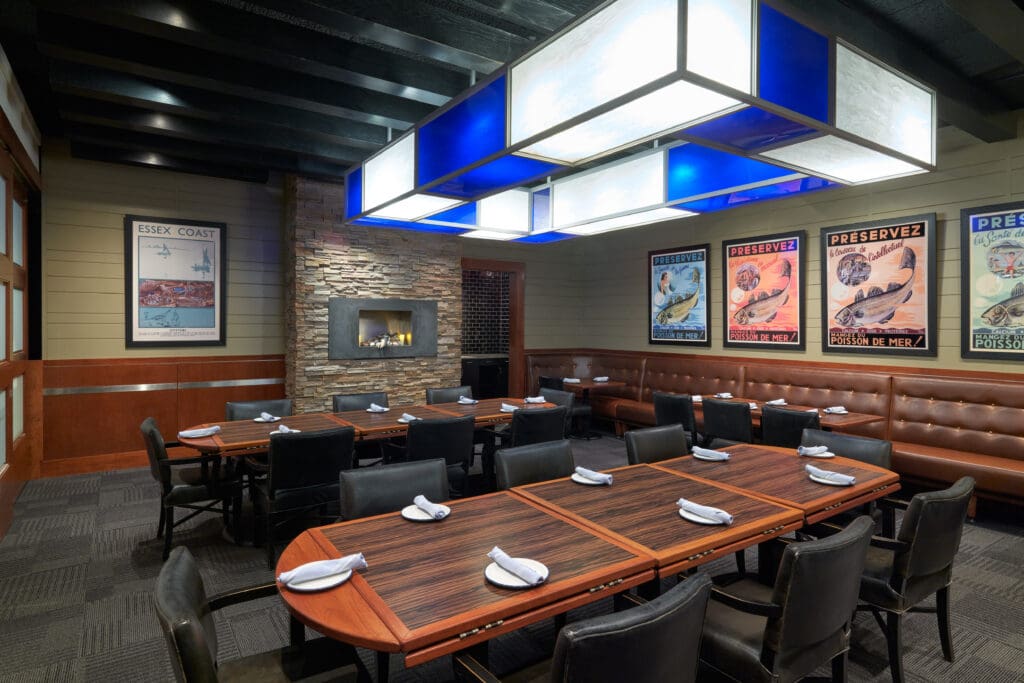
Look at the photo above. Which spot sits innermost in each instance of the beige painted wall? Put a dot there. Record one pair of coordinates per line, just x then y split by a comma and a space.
84, 204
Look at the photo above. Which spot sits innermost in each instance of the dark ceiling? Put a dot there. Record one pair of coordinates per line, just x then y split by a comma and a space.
240, 88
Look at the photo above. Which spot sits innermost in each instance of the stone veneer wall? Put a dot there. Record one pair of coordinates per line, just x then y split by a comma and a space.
327, 259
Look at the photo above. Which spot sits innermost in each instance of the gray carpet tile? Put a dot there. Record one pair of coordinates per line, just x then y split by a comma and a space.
81, 557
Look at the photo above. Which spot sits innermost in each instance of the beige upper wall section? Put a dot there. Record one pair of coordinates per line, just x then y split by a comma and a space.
84, 205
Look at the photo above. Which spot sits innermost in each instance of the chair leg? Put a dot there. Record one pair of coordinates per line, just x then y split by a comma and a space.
942, 612
168, 529
268, 539
383, 667
160, 524
839, 667
741, 563
894, 639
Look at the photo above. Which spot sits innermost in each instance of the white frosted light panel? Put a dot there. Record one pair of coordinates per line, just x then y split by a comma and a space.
17, 320
628, 221
880, 105
619, 49
670, 108
17, 407
415, 207
505, 211
719, 40
635, 184
843, 160
490, 235
390, 173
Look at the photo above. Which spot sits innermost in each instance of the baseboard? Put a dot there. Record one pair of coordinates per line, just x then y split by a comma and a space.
105, 462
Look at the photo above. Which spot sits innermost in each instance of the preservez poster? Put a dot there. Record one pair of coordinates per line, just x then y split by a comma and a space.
677, 296
878, 287
992, 281
763, 297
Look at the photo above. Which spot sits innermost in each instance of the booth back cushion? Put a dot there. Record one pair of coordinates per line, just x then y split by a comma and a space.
561, 365
690, 376
628, 369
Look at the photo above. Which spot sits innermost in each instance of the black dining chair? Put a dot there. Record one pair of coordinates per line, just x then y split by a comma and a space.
186, 616
781, 427
529, 426
654, 444
199, 484
876, 452
675, 409
550, 382
302, 478
247, 410
653, 642
578, 413
448, 394
903, 571
450, 438
532, 463
389, 488
726, 423
784, 632
369, 449
565, 399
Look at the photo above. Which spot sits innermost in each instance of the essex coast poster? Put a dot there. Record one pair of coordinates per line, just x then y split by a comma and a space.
174, 282
677, 296
763, 300
992, 281
878, 287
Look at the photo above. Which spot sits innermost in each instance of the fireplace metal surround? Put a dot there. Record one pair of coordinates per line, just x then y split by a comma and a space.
343, 328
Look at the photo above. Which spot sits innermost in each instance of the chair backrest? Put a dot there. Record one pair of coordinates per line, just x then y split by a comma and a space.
781, 427
654, 642
537, 425
535, 462
182, 608
246, 410
817, 586
550, 382
375, 490
931, 528
448, 394
655, 443
566, 399
674, 409
450, 438
727, 420
343, 402
156, 451
306, 460
863, 448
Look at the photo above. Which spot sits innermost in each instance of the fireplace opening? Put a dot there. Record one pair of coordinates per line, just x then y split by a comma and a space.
385, 328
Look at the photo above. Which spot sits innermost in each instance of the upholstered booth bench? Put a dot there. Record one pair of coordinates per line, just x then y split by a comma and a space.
942, 427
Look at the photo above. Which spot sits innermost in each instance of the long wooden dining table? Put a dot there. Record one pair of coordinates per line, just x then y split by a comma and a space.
836, 422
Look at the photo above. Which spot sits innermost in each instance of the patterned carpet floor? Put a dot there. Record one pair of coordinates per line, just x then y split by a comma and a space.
80, 559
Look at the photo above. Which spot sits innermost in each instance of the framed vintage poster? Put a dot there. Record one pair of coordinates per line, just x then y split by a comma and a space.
992, 282
174, 282
878, 287
677, 296
763, 303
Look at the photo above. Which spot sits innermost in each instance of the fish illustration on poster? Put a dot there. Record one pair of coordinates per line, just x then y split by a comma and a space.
992, 281
763, 298
878, 287
677, 295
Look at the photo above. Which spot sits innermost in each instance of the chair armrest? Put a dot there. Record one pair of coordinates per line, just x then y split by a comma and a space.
173, 444
763, 609
892, 503
821, 529
240, 595
467, 668
889, 544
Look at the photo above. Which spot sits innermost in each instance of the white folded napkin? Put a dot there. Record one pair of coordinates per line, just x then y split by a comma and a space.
835, 409
511, 564
374, 408
508, 408
311, 571
534, 399
594, 476
406, 417
811, 410
601, 379
467, 401
709, 454
837, 477
287, 430
811, 450
267, 417
776, 402
723, 394
570, 380
753, 406
197, 433
697, 398
432, 509
705, 511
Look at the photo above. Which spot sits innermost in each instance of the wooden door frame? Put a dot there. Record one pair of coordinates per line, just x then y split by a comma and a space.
516, 316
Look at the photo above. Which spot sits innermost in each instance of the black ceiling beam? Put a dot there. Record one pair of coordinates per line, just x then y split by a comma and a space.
166, 162
243, 35
79, 41
541, 16
961, 103
1001, 21
110, 86
196, 130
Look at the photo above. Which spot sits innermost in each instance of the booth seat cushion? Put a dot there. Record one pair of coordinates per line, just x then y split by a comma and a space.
860, 392
992, 474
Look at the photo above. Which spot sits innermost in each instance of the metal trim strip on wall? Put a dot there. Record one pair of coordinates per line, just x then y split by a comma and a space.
166, 386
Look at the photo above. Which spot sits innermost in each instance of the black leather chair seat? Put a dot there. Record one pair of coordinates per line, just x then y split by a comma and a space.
876, 589
733, 636
183, 494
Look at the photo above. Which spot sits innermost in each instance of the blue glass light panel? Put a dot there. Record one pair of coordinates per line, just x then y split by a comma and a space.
464, 214
354, 193
695, 170
793, 69
406, 225
750, 129
501, 173
545, 237
781, 190
468, 132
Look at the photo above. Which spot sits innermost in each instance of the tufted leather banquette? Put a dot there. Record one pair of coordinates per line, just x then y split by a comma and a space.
673, 376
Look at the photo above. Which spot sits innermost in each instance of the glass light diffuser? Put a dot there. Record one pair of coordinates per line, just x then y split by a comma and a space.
491, 235
719, 39
506, 211
415, 207
390, 173
631, 220
628, 186
842, 160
